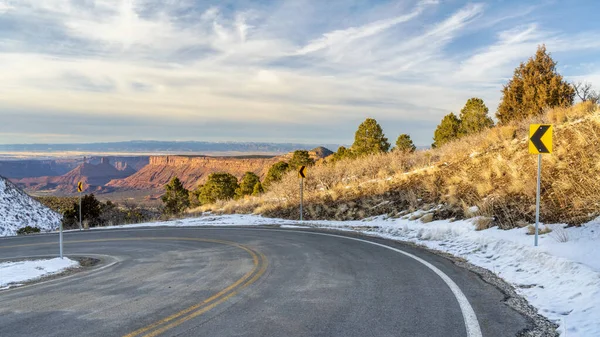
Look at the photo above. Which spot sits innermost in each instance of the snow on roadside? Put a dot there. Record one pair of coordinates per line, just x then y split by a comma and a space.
13, 274
561, 277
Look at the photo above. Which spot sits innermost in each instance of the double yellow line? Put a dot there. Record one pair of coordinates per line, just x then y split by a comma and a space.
260, 267
259, 261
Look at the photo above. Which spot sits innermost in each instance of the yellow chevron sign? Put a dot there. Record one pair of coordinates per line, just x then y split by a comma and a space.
80, 187
301, 172
540, 138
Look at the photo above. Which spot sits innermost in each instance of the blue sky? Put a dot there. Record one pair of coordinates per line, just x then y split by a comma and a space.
281, 71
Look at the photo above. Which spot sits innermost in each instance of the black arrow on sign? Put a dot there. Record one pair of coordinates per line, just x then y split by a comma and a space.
301, 172
536, 139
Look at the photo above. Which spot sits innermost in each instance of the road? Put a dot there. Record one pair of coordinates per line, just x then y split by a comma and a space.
250, 282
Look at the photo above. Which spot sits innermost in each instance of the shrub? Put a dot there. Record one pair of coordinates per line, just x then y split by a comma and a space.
28, 230
219, 186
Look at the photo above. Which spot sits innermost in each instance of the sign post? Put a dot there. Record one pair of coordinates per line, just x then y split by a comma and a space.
301, 175
540, 142
60, 237
80, 189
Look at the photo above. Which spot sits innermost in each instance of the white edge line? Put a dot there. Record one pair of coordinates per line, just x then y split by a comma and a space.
471, 322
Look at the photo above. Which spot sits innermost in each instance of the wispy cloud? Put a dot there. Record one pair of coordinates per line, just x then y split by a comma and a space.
289, 65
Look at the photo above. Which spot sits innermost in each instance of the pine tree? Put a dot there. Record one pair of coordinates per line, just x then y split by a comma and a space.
176, 197
342, 153
369, 139
275, 173
249, 180
300, 158
474, 117
448, 130
258, 189
535, 86
405, 144
219, 186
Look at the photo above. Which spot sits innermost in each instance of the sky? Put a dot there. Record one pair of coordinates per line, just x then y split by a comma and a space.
306, 71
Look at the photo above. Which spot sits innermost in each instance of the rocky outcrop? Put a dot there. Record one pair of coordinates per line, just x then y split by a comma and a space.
192, 171
317, 154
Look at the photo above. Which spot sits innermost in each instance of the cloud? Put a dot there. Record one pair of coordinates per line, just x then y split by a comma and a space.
294, 66
349, 35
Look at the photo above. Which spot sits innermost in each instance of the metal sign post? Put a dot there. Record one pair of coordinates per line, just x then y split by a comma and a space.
301, 175
540, 142
537, 199
60, 238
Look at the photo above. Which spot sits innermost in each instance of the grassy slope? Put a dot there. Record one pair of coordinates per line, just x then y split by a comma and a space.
492, 171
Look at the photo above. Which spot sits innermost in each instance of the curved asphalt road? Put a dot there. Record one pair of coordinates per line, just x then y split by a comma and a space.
249, 282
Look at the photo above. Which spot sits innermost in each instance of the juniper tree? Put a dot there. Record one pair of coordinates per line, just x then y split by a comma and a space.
369, 139
176, 198
534, 87
474, 117
405, 144
447, 130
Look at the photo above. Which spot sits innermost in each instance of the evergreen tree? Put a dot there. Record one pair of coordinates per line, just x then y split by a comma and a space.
474, 117
195, 197
300, 158
342, 153
90, 209
176, 198
405, 144
369, 139
219, 186
258, 189
535, 86
275, 173
249, 180
448, 130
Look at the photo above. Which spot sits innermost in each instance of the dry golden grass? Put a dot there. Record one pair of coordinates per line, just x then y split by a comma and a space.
492, 170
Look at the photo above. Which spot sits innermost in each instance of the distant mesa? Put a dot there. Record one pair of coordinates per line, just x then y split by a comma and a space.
142, 174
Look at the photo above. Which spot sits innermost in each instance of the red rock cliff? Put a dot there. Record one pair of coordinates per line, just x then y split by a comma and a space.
192, 171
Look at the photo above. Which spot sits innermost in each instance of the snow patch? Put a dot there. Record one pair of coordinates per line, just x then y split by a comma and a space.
13, 274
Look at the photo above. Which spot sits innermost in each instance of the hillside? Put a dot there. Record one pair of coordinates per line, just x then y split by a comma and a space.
190, 170
489, 175
17, 210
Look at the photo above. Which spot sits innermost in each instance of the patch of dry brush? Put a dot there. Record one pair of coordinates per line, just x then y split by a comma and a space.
492, 171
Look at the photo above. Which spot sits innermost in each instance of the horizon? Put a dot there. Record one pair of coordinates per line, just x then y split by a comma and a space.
301, 72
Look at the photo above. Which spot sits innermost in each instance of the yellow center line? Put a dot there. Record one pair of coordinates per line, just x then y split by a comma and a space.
207, 308
258, 260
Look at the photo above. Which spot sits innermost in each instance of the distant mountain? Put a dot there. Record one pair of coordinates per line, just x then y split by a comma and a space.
17, 210
163, 147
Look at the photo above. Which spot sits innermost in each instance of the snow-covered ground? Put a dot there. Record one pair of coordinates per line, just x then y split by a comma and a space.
17, 210
560, 277
13, 274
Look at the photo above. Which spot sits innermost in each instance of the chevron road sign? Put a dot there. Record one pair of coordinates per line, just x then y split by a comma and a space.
540, 142
540, 138
301, 172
